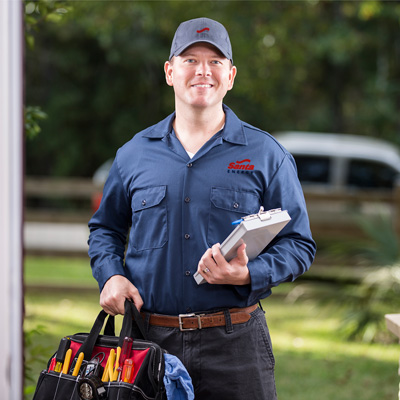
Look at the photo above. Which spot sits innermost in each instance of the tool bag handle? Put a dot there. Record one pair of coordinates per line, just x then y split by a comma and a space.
109, 329
131, 316
129, 323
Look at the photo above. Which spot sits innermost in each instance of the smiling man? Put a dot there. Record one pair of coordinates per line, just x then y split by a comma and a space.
176, 187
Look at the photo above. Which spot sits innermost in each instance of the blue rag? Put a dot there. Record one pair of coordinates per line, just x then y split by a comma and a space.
177, 381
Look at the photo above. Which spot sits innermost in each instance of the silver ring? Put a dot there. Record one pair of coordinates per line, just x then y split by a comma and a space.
205, 270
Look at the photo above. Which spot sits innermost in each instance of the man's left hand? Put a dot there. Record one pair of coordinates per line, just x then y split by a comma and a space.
216, 270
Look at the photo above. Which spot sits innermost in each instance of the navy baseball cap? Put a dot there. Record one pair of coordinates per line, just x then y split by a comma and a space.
201, 30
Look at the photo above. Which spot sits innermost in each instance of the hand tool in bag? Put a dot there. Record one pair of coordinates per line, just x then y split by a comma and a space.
137, 374
61, 353
127, 372
78, 364
67, 360
125, 354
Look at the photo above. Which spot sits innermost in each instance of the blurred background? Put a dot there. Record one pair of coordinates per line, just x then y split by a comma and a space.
94, 77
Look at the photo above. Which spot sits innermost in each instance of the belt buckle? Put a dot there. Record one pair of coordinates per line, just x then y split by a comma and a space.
181, 328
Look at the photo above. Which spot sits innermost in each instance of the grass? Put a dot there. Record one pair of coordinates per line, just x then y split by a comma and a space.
51, 271
312, 360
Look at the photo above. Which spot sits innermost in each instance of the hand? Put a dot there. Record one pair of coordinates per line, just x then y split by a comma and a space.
216, 270
115, 291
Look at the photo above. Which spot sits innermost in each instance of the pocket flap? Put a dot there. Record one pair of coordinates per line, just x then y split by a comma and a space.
234, 200
149, 197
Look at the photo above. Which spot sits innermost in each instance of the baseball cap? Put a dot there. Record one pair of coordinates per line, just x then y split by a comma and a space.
201, 30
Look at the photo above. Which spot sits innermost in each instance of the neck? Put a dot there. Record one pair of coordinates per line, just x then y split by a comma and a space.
196, 127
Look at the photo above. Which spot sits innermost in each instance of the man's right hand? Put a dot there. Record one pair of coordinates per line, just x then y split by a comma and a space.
115, 291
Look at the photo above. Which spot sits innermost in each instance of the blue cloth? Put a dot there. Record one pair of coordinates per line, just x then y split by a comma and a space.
178, 207
178, 384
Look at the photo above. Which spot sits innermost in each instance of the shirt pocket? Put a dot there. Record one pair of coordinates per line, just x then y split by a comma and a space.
226, 206
149, 218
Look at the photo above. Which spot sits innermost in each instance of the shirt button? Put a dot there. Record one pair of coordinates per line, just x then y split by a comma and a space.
187, 236
143, 202
188, 310
187, 273
235, 205
187, 199
190, 165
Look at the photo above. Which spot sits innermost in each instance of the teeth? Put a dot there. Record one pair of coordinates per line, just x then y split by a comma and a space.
202, 86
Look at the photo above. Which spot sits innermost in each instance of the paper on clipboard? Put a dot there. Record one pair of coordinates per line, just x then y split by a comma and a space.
256, 230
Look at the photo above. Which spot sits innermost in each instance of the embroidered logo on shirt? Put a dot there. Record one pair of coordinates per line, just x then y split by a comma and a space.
202, 30
241, 167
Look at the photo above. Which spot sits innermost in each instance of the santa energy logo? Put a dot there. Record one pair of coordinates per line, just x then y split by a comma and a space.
242, 166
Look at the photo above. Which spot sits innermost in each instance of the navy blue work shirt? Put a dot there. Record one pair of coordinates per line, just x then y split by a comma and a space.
174, 208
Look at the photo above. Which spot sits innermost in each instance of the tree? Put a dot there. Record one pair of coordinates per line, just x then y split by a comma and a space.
318, 66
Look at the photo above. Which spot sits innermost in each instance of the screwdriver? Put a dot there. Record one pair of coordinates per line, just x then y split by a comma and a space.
62, 350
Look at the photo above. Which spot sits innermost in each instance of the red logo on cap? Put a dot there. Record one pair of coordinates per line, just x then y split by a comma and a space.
204, 29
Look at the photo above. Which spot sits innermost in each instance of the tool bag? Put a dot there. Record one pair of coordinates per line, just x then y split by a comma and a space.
71, 376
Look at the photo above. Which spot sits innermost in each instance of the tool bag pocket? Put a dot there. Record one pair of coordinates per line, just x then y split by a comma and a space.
94, 377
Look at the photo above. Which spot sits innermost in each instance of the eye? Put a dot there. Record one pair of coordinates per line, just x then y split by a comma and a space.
190, 61
216, 62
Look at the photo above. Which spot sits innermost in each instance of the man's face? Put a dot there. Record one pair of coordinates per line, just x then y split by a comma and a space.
200, 76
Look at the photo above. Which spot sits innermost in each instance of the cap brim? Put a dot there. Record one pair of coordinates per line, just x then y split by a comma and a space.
183, 48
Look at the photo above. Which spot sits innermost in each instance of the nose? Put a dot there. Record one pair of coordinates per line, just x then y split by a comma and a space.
203, 69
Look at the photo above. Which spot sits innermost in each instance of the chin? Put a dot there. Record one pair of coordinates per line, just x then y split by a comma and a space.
203, 103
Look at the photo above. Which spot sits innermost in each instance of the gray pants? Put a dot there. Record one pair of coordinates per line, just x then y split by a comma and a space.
230, 362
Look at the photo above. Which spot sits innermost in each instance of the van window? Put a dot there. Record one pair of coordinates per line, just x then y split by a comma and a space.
371, 174
313, 169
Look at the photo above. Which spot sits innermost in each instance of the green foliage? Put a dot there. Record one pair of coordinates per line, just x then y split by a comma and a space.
32, 116
35, 352
317, 66
365, 302
39, 11
383, 247
377, 295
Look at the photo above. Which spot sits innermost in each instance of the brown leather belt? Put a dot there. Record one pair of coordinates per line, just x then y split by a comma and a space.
189, 322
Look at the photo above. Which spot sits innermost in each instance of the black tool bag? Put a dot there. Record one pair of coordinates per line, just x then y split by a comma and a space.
144, 381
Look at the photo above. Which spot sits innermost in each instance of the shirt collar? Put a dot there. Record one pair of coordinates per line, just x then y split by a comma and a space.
233, 131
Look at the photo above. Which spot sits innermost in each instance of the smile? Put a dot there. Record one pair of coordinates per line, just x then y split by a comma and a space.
203, 86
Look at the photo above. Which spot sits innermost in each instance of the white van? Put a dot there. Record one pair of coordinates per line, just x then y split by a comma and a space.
341, 162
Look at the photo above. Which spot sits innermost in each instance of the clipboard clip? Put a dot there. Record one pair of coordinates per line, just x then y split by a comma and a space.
263, 215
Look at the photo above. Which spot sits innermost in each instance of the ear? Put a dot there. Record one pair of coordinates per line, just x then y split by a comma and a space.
168, 73
232, 75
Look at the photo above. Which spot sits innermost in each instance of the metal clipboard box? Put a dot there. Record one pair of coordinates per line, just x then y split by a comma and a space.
256, 230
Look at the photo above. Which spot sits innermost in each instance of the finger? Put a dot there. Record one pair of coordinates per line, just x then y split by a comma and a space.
205, 260
112, 306
207, 270
137, 300
207, 257
242, 254
203, 269
217, 255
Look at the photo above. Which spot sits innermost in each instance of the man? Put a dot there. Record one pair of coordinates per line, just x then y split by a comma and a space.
175, 185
